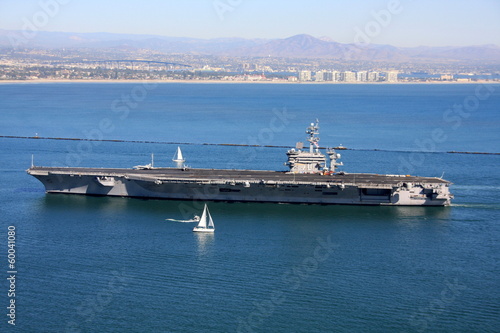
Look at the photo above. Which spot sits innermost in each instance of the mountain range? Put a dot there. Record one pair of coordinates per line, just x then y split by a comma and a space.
299, 46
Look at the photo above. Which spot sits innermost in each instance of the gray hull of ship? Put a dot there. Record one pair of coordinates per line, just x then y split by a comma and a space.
246, 186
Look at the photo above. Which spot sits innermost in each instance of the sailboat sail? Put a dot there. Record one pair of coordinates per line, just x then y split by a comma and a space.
203, 220
210, 221
178, 156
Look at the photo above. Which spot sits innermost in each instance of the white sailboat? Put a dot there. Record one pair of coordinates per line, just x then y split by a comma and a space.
206, 223
178, 156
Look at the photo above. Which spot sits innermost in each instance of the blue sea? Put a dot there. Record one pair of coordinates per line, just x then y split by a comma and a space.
100, 264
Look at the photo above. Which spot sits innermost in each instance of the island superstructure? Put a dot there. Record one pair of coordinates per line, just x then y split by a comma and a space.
312, 178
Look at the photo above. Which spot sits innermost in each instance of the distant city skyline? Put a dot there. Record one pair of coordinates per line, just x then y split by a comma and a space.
402, 23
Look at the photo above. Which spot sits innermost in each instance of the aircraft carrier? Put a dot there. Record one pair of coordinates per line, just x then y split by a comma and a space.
310, 179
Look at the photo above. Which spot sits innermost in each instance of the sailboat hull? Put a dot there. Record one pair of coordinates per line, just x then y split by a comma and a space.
196, 229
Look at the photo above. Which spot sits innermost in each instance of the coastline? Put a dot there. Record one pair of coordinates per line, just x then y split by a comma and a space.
228, 144
43, 81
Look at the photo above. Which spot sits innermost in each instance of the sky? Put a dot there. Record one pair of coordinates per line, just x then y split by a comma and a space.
404, 23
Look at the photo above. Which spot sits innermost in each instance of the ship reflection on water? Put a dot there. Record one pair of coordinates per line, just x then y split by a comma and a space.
228, 211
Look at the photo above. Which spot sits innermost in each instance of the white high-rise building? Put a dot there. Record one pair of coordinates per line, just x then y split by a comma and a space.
361, 76
392, 76
335, 76
373, 76
305, 76
348, 76
319, 76
325, 76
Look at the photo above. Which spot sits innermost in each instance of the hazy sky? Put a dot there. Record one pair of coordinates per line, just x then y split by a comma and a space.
411, 23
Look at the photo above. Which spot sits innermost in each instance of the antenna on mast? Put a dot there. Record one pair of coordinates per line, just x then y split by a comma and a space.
313, 130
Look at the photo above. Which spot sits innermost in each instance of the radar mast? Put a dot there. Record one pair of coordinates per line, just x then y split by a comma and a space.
313, 130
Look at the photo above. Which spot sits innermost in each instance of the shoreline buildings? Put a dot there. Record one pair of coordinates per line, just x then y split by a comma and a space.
348, 76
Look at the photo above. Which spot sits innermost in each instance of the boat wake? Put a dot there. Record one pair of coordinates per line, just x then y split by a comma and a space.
477, 205
194, 219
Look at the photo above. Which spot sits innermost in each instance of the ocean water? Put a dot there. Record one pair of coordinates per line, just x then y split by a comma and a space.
87, 264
